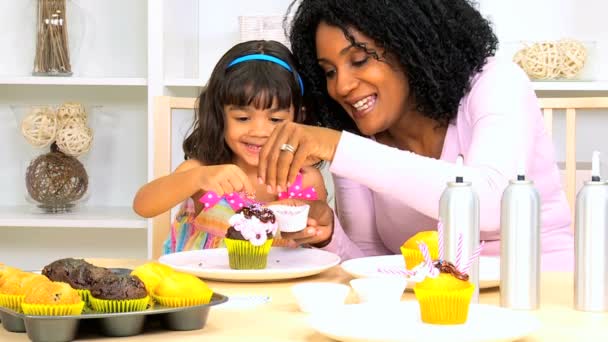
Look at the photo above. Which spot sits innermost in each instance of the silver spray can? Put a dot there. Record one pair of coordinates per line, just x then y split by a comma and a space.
590, 242
520, 245
459, 214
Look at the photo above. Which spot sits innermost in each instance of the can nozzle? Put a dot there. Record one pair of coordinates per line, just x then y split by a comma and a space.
459, 162
595, 166
521, 171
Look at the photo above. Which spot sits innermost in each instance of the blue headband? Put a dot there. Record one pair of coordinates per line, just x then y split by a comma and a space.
261, 57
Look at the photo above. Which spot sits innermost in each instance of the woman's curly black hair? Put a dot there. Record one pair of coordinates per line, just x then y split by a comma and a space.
440, 44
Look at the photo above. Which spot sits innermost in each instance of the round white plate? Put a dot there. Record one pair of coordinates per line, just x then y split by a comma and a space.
489, 268
283, 263
401, 322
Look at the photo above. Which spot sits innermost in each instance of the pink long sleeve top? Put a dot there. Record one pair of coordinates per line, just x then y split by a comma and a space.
385, 195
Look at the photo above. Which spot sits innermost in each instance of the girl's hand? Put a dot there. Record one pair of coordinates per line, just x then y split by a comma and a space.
224, 179
310, 144
320, 225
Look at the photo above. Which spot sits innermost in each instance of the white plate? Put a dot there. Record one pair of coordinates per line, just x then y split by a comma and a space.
489, 268
283, 263
401, 322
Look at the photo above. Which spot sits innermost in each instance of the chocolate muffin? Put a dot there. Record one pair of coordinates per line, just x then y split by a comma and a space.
76, 272
118, 287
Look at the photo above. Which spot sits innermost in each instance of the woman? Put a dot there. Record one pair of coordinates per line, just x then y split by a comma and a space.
404, 87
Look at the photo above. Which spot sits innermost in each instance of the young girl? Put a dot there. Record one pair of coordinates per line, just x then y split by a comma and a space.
253, 88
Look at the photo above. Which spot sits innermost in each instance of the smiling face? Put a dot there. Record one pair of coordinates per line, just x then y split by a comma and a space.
375, 93
247, 129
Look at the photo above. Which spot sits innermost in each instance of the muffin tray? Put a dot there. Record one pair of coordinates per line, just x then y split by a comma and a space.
66, 328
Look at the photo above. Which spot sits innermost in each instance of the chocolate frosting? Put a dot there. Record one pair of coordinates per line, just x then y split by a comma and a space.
115, 287
448, 267
263, 214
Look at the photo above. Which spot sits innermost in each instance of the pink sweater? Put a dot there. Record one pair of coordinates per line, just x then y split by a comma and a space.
385, 195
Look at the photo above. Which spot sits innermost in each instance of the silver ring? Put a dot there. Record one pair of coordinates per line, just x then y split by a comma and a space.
288, 148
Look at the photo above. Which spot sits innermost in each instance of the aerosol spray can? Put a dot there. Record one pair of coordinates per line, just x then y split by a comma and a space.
590, 242
520, 245
459, 214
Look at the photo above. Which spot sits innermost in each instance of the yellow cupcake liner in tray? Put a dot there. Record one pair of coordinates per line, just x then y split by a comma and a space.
176, 302
12, 302
444, 306
115, 306
52, 310
84, 295
242, 255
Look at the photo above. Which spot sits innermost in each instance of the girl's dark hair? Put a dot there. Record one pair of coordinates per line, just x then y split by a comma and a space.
440, 45
257, 83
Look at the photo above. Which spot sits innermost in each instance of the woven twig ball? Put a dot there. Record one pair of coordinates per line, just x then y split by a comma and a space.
541, 60
551, 60
575, 55
71, 112
56, 179
39, 127
74, 139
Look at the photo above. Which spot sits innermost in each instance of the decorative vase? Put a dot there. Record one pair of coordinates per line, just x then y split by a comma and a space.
52, 48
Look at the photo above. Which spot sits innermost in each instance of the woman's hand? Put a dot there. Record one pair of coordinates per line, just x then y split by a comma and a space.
279, 165
223, 179
320, 225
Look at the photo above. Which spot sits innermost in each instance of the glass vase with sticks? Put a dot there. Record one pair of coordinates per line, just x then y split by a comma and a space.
52, 52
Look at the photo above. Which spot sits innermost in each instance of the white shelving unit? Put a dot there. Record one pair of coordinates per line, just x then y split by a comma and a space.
124, 53
80, 81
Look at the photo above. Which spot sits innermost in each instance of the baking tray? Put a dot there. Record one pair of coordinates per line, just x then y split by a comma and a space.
65, 328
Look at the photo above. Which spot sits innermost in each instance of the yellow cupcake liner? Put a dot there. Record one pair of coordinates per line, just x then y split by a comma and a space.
84, 295
175, 302
12, 302
52, 310
444, 306
114, 306
242, 255
413, 257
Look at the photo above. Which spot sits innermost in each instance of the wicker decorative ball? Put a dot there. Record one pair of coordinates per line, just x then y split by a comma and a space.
74, 139
575, 55
71, 112
40, 126
56, 179
552, 60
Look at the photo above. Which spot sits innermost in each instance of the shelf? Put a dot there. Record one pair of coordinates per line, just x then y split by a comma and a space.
184, 82
84, 81
84, 217
571, 85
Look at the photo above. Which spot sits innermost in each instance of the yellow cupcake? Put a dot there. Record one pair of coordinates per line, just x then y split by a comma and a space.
151, 274
52, 299
14, 287
444, 299
182, 289
411, 253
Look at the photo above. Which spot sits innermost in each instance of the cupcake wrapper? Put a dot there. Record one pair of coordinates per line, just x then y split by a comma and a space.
242, 255
12, 302
52, 310
185, 301
114, 306
444, 306
290, 219
413, 257
84, 295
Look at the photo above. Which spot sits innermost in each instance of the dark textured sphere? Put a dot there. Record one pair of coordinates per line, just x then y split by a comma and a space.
56, 179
